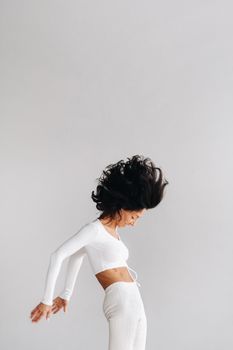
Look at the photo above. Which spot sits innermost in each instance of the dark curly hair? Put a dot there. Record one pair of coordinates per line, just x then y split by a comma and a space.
132, 185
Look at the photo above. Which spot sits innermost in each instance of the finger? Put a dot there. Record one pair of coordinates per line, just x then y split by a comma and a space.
40, 315
32, 314
37, 307
37, 317
54, 307
35, 314
33, 311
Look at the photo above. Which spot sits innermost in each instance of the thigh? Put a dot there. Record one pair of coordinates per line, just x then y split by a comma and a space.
122, 331
140, 333
123, 309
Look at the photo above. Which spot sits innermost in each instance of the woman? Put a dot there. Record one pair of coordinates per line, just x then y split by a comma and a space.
124, 192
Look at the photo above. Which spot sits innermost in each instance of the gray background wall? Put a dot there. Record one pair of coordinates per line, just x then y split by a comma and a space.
85, 84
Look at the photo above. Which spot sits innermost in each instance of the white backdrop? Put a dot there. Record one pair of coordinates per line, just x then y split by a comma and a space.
85, 84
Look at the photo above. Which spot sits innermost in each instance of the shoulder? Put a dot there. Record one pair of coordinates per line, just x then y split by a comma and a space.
90, 228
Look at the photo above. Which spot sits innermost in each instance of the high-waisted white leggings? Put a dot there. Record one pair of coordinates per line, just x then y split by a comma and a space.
124, 310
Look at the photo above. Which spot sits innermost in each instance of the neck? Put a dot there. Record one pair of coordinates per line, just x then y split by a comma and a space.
110, 224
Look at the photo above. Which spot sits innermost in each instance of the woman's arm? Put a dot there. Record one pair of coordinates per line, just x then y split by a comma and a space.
84, 236
73, 266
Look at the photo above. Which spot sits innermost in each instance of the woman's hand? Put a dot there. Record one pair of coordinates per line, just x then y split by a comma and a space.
40, 311
59, 303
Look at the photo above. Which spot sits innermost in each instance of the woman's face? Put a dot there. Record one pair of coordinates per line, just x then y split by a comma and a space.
129, 217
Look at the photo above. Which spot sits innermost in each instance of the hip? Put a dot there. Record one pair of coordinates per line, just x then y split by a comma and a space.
123, 297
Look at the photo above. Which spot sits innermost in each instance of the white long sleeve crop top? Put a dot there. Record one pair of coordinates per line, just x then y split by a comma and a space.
104, 252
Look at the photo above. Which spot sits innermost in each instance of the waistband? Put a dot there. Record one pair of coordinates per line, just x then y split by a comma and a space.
136, 276
135, 281
124, 284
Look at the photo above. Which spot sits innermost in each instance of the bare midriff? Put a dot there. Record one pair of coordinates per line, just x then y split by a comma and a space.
116, 274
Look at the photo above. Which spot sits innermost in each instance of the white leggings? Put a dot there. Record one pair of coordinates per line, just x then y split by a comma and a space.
124, 310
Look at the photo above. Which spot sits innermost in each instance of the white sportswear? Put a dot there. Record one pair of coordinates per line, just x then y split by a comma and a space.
104, 252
